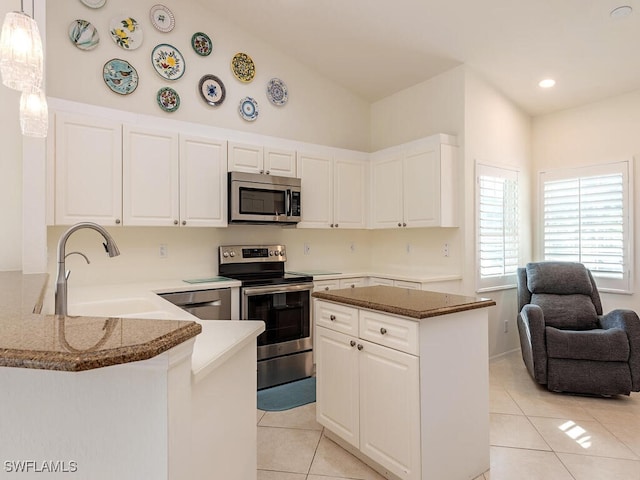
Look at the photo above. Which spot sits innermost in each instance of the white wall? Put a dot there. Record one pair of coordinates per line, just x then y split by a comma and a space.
11, 176
318, 110
496, 133
600, 132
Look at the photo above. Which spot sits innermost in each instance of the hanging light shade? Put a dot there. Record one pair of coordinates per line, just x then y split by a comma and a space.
21, 56
34, 114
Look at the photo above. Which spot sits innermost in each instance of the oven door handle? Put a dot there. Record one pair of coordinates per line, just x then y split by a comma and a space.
250, 291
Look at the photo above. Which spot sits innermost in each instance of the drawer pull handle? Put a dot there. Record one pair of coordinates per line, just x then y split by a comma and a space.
352, 343
383, 330
326, 288
332, 318
360, 346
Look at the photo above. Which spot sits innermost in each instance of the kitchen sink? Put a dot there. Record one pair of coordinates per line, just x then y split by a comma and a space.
121, 308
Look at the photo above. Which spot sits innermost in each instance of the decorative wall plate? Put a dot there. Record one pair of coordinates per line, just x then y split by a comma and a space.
248, 109
277, 92
83, 35
94, 3
202, 44
212, 90
168, 61
162, 18
120, 76
126, 32
243, 67
168, 99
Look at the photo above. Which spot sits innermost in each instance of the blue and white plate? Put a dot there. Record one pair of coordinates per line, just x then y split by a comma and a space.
212, 90
83, 35
248, 109
120, 76
277, 92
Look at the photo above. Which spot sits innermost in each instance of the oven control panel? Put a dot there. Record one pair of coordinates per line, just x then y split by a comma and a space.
252, 253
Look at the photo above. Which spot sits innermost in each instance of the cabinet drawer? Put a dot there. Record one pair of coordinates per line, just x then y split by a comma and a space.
336, 317
392, 332
352, 282
407, 284
381, 281
322, 285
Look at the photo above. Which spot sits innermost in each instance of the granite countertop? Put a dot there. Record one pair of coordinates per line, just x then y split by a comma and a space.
406, 302
50, 342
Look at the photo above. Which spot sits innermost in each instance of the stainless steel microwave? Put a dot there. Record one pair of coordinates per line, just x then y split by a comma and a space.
258, 198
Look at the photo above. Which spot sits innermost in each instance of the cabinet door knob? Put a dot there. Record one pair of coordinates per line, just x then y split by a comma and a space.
404, 224
383, 330
184, 222
352, 343
353, 285
268, 172
332, 318
399, 224
261, 171
117, 221
175, 222
326, 288
331, 225
360, 346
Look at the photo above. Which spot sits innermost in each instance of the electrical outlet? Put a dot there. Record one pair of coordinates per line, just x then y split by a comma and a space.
506, 326
307, 249
445, 250
164, 250
409, 248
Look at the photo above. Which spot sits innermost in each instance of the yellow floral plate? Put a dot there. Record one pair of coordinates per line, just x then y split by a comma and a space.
243, 67
126, 32
168, 61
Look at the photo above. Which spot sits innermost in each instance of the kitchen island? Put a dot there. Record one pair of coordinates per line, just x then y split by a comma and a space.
403, 381
127, 398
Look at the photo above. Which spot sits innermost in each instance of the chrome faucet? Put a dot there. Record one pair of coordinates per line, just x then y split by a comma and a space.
63, 274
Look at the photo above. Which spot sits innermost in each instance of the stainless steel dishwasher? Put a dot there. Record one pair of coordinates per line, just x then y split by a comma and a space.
204, 304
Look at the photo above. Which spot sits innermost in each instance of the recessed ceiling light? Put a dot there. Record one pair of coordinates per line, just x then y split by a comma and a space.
547, 83
621, 12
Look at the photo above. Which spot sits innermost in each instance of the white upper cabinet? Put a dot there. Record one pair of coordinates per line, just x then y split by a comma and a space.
258, 159
415, 185
88, 170
150, 177
333, 191
203, 182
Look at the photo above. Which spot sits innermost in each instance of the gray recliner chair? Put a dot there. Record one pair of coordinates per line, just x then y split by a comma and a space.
567, 343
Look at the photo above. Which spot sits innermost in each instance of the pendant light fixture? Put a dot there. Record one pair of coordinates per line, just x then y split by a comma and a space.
34, 114
21, 55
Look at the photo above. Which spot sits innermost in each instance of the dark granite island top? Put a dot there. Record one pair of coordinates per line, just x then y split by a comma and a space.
49, 342
406, 302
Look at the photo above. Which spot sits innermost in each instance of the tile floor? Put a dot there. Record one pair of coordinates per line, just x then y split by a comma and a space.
535, 435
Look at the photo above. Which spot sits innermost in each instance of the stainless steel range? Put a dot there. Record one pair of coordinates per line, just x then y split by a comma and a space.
282, 301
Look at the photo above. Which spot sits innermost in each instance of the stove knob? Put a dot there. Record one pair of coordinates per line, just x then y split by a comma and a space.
271, 253
278, 253
225, 254
282, 252
232, 253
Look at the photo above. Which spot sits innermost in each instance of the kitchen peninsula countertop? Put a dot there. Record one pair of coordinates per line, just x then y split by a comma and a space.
50, 342
406, 302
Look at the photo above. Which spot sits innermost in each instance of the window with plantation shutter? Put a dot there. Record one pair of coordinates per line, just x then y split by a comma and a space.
496, 227
586, 218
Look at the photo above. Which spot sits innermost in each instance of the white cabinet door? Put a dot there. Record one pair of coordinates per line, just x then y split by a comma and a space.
150, 177
316, 174
280, 162
203, 182
386, 192
88, 170
390, 409
350, 193
245, 158
421, 180
337, 388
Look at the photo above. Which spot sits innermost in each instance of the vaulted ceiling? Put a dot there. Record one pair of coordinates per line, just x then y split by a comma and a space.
376, 47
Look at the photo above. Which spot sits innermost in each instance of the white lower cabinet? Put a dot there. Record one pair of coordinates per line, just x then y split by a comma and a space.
368, 394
